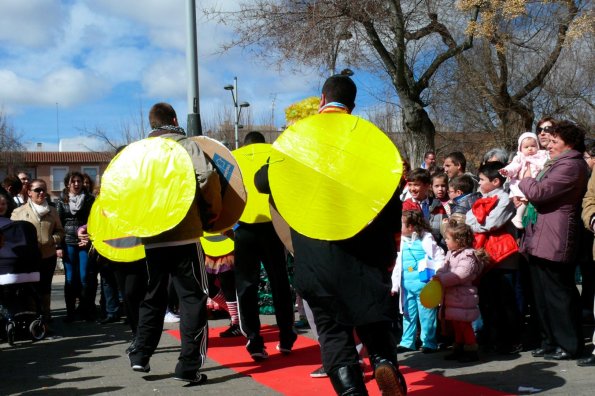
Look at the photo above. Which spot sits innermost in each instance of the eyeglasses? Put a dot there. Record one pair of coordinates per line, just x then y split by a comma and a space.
39, 190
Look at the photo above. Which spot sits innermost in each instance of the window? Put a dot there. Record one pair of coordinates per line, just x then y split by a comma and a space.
58, 174
92, 171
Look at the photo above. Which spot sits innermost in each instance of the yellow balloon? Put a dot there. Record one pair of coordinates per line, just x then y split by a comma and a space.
431, 295
148, 187
250, 159
216, 245
331, 174
110, 243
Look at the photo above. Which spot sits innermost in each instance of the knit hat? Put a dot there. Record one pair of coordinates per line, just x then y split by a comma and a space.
526, 135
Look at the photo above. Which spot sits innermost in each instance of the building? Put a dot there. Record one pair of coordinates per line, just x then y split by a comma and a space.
52, 166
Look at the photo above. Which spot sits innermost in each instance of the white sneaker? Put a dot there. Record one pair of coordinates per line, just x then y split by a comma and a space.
171, 317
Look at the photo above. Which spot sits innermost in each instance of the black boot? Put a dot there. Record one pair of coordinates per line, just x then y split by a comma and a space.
388, 376
70, 300
348, 381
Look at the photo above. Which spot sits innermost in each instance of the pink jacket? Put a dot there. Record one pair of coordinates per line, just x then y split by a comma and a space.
520, 163
461, 301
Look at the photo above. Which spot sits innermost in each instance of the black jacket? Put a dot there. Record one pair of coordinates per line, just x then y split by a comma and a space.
70, 222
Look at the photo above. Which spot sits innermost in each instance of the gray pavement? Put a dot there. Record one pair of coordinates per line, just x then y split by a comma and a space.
88, 359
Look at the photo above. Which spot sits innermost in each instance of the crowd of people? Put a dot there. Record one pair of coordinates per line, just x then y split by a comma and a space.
504, 244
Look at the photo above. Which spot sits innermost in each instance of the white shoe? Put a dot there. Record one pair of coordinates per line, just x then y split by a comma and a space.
171, 317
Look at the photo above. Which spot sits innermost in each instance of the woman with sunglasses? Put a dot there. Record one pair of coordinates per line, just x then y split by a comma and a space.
49, 236
541, 130
74, 207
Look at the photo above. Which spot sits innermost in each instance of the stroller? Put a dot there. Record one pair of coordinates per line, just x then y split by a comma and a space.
20, 305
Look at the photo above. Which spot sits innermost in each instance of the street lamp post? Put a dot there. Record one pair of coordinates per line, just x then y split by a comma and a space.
237, 109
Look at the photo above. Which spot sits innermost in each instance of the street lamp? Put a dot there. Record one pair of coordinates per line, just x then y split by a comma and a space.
237, 109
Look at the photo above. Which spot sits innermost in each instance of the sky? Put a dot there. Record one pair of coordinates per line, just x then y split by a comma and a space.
68, 67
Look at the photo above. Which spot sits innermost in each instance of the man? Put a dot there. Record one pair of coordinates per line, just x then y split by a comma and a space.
22, 197
347, 283
178, 253
429, 160
455, 164
257, 243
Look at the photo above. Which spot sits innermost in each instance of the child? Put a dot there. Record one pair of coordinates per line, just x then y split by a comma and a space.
489, 219
419, 183
527, 162
440, 190
462, 196
417, 261
461, 267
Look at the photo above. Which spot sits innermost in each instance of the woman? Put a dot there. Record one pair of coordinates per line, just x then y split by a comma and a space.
49, 236
542, 130
550, 241
73, 208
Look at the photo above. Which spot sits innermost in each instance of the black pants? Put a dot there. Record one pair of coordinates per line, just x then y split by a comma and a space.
46, 274
337, 343
132, 282
499, 309
186, 265
557, 304
256, 243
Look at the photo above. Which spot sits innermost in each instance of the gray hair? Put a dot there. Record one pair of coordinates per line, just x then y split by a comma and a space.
499, 153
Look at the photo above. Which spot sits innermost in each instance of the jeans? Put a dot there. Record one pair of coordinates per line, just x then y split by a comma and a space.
75, 266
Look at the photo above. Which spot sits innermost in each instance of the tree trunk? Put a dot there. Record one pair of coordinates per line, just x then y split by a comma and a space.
419, 131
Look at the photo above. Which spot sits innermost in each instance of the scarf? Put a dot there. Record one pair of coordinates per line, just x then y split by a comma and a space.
40, 210
334, 107
75, 202
165, 129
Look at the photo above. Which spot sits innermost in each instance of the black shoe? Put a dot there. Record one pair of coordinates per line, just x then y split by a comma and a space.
559, 354
233, 331
388, 379
542, 351
401, 349
286, 345
586, 362
456, 354
109, 319
68, 319
468, 357
132, 346
195, 379
257, 350
428, 350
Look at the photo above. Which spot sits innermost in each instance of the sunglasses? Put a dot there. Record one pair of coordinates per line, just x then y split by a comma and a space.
545, 129
39, 190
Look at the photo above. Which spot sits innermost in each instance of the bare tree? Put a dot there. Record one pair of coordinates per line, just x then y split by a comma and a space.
516, 69
405, 41
10, 145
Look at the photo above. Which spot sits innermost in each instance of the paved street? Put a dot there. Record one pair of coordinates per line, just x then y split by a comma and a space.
88, 359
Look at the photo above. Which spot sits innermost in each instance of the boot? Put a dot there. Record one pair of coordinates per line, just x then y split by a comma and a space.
348, 381
389, 379
45, 307
469, 354
70, 300
456, 354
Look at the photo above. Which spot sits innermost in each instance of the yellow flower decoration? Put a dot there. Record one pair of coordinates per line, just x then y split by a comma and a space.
302, 109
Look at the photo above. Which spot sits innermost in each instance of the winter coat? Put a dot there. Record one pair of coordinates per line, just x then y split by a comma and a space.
72, 222
520, 163
460, 300
588, 213
49, 228
489, 218
557, 198
19, 255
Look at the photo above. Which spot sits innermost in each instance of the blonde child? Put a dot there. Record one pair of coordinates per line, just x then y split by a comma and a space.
528, 162
418, 259
460, 304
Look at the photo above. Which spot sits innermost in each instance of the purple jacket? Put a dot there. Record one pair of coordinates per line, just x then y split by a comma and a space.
557, 199
460, 269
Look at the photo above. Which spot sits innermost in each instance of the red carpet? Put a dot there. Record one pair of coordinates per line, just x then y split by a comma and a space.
290, 374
